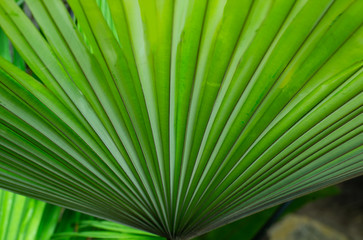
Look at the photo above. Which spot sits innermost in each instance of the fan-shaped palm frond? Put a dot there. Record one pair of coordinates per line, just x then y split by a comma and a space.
179, 116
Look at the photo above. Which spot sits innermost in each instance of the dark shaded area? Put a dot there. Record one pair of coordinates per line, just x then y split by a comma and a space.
343, 212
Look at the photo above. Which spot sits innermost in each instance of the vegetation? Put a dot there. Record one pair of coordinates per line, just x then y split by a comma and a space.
179, 116
29, 219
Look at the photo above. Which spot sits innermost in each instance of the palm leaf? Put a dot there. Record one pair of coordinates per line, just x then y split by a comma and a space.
23, 218
177, 117
26, 218
105, 230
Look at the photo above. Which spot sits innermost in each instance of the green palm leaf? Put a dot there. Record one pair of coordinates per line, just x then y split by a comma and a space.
177, 117
26, 218
23, 218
